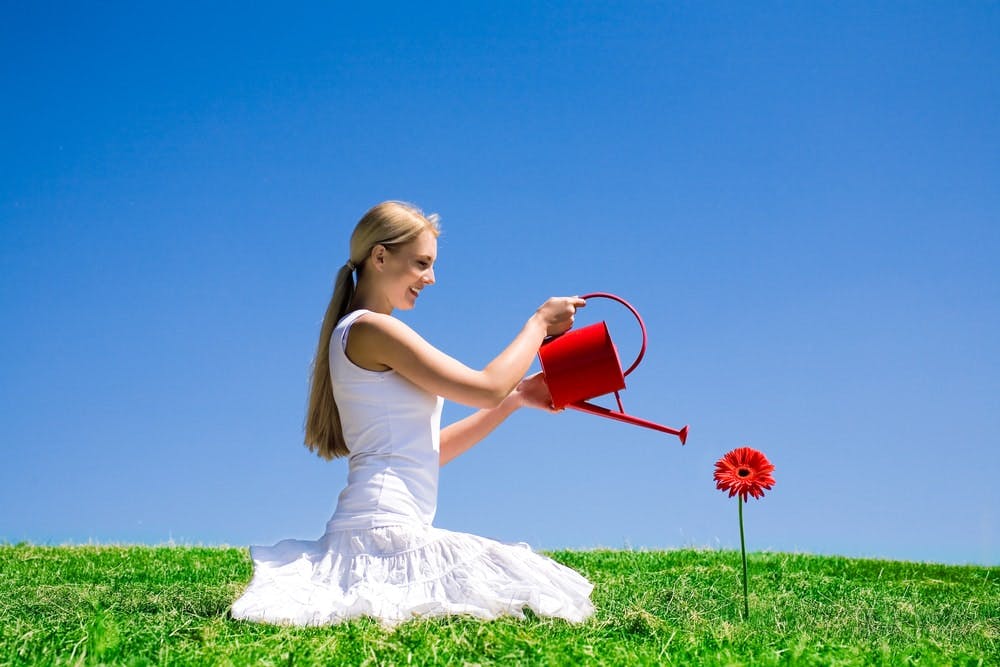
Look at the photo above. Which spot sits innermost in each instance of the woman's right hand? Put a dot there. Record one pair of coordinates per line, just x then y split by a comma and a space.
557, 313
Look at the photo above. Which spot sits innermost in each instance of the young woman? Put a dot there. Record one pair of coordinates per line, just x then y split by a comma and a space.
376, 396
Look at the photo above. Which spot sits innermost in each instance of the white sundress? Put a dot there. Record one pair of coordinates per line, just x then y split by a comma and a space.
380, 556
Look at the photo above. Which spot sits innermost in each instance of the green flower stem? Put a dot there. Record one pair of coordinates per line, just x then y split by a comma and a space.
743, 550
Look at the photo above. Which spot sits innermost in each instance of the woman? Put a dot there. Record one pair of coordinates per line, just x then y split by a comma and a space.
376, 396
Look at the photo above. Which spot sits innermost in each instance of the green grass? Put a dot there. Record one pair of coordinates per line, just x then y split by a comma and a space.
167, 605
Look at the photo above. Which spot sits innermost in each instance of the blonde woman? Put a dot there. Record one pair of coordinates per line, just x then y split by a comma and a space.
376, 396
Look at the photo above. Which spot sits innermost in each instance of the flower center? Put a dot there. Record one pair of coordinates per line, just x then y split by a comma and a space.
743, 472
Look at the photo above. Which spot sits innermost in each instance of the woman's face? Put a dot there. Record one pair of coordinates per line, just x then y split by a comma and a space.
408, 269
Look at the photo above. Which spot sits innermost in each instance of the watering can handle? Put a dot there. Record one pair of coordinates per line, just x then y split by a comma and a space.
642, 351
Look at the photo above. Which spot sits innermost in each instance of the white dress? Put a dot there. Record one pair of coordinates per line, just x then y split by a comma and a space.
380, 556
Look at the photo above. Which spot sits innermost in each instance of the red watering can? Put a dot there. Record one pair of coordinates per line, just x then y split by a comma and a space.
583, 363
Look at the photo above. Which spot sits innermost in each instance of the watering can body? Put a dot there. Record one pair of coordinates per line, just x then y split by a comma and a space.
583, 363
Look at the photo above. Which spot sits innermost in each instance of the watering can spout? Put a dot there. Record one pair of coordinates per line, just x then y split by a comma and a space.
601, 411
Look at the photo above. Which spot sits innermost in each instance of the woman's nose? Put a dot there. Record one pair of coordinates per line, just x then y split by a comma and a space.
429, 277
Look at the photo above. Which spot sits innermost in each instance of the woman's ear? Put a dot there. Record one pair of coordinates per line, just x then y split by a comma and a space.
377, 255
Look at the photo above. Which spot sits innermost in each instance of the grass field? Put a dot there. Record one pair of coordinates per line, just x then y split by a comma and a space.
135, 605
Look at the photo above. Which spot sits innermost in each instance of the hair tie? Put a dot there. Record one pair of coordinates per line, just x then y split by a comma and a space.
351, 265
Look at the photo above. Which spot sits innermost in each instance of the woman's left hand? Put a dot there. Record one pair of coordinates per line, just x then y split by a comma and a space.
534, 393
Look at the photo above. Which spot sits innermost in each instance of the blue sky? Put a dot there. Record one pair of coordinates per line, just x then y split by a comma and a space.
800, 198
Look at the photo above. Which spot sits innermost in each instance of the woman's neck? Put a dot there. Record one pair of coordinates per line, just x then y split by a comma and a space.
366, 298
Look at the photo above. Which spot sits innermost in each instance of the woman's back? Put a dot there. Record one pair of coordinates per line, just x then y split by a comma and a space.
392, 429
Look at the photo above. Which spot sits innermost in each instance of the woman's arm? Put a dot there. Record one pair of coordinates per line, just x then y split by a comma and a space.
463, 434
382, 341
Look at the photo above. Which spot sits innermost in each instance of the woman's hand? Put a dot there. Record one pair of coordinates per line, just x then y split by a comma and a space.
557, 313
532, 392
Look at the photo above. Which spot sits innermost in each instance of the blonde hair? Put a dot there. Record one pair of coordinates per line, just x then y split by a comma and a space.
390, 224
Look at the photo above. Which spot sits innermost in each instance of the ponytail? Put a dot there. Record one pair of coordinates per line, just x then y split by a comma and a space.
324, 435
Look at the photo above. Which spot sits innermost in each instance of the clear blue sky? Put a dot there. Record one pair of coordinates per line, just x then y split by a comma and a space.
802, 199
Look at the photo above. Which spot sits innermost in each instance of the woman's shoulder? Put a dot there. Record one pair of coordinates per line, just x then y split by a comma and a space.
363, 318
377, 340
370, 324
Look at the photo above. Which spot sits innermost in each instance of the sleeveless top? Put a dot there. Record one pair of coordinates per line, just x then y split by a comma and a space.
392, 430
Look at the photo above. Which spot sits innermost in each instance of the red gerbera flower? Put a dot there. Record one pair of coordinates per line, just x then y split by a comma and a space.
744, 471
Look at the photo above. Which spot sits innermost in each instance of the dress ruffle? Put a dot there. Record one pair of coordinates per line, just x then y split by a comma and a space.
397, 573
